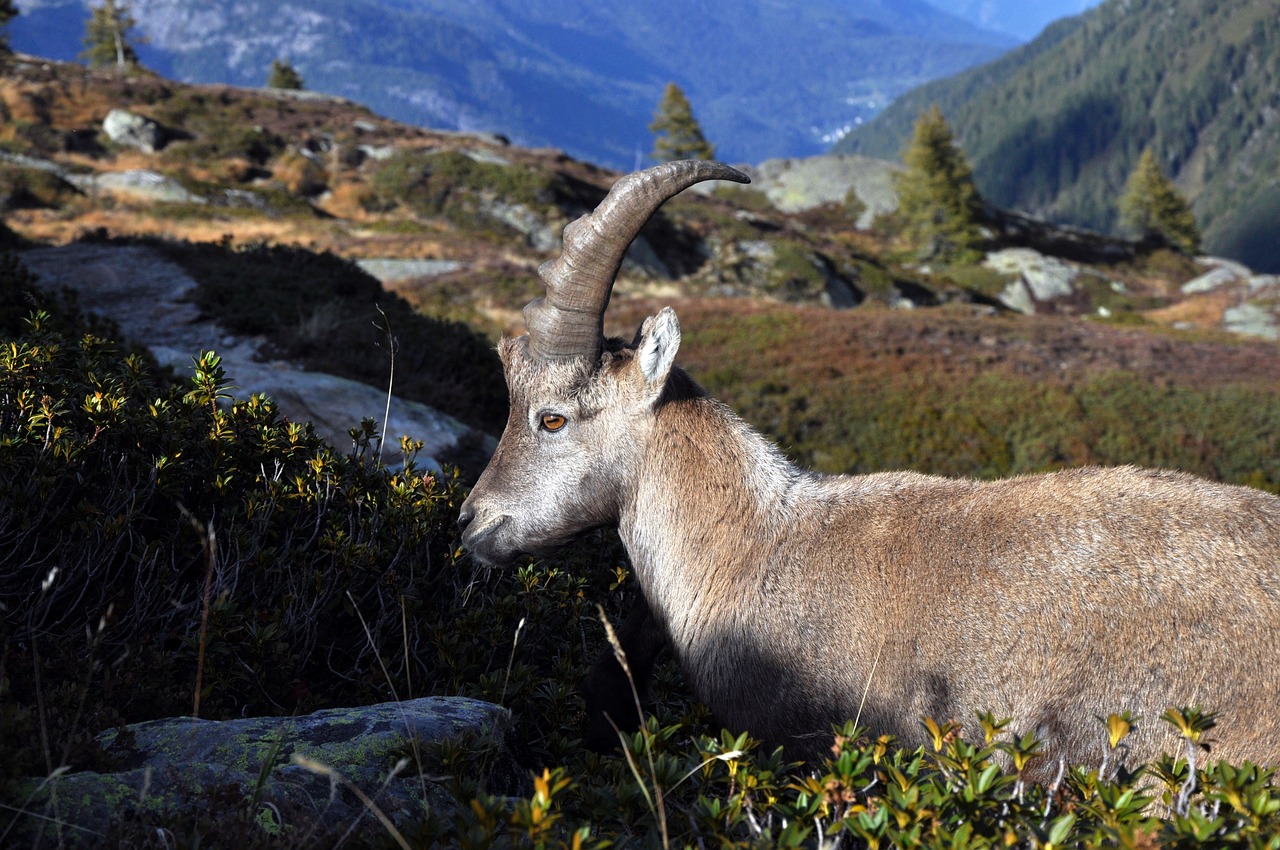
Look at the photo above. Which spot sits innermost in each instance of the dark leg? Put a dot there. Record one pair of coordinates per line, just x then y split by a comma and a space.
606, 689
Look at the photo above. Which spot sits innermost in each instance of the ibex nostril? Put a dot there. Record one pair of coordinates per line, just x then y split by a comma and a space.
465, 516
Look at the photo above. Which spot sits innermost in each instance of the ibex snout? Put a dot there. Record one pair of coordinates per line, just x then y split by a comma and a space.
482, 535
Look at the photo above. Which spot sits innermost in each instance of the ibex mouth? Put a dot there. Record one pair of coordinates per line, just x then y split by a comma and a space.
485, 542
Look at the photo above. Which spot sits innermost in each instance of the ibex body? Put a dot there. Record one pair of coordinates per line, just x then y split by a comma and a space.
795, 601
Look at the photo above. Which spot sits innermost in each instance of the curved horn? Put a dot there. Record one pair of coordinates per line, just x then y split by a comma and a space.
569, 320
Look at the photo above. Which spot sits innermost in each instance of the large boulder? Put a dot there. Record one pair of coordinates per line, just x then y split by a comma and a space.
316, 775
1041, 280
147, 296
135, 131
796, 185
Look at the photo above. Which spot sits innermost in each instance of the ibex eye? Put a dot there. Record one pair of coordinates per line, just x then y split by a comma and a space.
553, 421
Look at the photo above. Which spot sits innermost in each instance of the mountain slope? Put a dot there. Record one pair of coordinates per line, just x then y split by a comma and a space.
1055, 127
765, 79
1023, 19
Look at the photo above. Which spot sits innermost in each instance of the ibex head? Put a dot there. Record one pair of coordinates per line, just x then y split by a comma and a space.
576, 399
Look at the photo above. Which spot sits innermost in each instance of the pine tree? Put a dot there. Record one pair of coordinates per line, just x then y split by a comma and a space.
1152, 207
8, 11
106, 36
679, 136
283, 76
937, 200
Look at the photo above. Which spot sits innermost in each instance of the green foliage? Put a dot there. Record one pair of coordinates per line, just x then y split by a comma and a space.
937, 200
678, 134
1152, 208
284, 76
460, 188
107, 38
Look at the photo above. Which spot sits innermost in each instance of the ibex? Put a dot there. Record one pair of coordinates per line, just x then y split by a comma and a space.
794, 601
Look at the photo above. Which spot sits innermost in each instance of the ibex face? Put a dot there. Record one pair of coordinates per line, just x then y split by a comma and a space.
578, 411
571, 446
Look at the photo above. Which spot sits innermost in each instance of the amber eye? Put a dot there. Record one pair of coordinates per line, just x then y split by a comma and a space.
553, 421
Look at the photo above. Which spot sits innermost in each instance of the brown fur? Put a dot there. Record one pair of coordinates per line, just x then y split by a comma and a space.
1052, 599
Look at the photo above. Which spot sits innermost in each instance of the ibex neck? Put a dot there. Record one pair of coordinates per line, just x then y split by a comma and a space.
710, 496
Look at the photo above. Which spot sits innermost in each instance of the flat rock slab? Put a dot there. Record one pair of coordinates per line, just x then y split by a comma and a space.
148, 297
297, 773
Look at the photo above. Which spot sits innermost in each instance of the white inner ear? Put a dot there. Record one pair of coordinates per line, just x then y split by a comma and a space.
659, 342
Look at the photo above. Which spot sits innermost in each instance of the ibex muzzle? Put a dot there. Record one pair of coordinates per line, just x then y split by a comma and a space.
1054, 600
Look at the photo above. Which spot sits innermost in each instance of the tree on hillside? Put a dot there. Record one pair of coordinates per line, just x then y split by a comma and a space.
284, 76
937, 200
8, 11
679, 136
1152, 207
106, 36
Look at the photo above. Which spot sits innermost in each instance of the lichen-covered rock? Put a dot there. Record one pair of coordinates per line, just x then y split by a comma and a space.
795, 185
1040, 279
132, 130
298, 774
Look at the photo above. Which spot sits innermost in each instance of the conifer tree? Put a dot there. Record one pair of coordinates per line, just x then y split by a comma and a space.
283, 76
679, 136
106, 36
937, 200
1152, 207
8, 11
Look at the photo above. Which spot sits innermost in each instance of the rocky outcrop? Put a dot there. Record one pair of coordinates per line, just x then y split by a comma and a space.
140, 184
393, 270
146, 295
1249, 303
796, 185
1040, 280
135, 131
319, 775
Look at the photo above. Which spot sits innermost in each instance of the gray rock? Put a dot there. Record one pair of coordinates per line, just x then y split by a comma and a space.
1251, 320
297, 773
1040, 280
796, 185
132, 130
378, 153
540, 233
1209, 281
486, 156
390, 270
147, 296
137, 183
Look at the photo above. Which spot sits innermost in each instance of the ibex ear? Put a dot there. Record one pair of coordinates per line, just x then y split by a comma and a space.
656, 346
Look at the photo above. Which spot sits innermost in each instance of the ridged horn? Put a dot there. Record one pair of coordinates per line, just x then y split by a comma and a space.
569, 320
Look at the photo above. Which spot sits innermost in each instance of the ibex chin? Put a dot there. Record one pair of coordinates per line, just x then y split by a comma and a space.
796, 601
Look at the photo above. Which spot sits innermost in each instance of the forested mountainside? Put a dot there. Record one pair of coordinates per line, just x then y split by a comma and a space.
1056, 127
766, 80
1023, 19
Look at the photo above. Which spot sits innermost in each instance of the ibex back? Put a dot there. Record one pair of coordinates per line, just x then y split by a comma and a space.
1053, 599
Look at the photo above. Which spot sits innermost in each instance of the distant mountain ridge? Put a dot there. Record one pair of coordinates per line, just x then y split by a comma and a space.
1055, 127
765, 79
